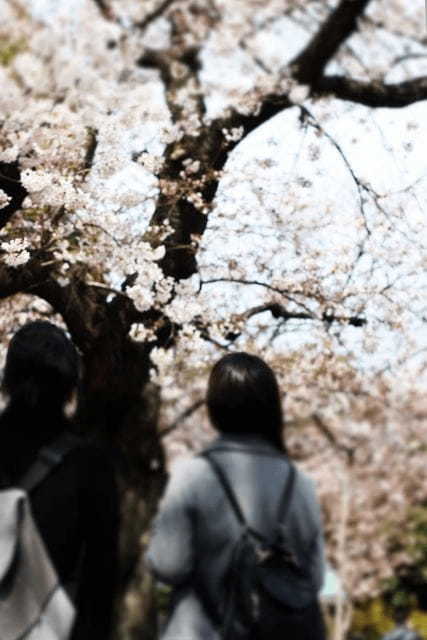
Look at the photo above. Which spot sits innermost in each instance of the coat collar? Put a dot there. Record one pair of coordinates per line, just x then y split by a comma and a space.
247, 442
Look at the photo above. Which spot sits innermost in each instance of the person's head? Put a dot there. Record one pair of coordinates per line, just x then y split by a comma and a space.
243, 397
401, 614
42, 367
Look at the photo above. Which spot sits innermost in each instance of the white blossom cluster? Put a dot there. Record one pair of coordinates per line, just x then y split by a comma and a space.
4, 199
191, 166
233, 135
150, 162
196, 199
15, 252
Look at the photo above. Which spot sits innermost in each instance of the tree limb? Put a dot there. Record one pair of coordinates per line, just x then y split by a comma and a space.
92, 145
332, 439
308, 118
310, 64
10, 183
374, 94
182, 417
105, 9
288, 295
279, 311
35, 278
151, 17
308, 67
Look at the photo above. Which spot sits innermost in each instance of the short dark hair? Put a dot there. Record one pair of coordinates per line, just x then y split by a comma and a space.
243, 397
401, 614
42, 366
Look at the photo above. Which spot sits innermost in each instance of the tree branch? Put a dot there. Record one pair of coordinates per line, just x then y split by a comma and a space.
279, 311
308, 67
288, 295
151, 17
10, 183
248, 282
374, 94
92, 145
36, 278
310, 64
105, 9
308, 118
211, 146
332, 439
182, 417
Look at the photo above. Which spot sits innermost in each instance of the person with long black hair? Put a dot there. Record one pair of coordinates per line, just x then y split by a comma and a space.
234, 497
75, 503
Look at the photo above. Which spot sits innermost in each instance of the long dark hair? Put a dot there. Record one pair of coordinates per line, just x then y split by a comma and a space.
243, 397
42, 368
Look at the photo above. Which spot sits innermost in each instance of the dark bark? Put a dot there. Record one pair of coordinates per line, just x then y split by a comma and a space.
374, 94
186, 220
151, 17
310, 64
120, 406
10, 183
105, 9
279, 311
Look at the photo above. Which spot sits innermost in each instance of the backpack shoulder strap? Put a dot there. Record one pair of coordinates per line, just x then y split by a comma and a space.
285, 499
216, 468
287, 494
47, 459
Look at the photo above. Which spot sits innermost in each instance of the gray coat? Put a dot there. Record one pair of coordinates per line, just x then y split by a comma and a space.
194, 530
402, 632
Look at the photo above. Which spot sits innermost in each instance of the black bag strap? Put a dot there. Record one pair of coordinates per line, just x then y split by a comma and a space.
216, 468
285, 499
47, 459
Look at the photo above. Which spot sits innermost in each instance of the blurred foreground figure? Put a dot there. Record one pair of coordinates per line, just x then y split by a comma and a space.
238, 534
71, 485
402, 631
33, 604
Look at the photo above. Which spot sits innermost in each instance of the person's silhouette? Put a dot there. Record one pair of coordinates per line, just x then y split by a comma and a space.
75, 505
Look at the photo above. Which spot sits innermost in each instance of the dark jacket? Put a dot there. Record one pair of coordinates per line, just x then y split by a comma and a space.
76, 510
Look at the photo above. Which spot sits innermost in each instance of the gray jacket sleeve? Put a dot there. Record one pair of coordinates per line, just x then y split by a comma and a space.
170, 553
319, 564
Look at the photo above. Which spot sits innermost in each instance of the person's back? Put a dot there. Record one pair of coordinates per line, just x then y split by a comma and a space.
402, 630
33, 604
196, 530
75, 506
76, 512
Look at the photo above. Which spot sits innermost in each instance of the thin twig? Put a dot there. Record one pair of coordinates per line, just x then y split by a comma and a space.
182, 416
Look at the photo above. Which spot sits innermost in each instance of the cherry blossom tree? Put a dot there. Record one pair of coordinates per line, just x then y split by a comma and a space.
180, 179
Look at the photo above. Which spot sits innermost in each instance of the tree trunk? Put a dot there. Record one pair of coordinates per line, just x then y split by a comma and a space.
121, 406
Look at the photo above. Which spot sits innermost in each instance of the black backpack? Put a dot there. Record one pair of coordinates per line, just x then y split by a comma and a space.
268, 591
33, 603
